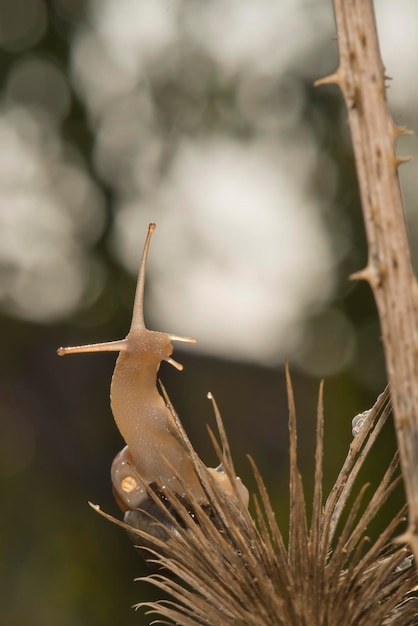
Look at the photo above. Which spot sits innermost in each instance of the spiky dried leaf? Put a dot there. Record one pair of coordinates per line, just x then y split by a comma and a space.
221, 566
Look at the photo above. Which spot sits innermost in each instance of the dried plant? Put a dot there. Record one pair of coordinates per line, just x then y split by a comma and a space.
222, 567
361, 78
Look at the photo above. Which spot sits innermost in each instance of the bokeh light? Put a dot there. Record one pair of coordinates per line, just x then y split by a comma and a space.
197, 118
22, 23
39, 83
245, 200
234, 223
49, 210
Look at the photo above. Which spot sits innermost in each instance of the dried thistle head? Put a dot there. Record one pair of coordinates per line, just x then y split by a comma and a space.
222, 567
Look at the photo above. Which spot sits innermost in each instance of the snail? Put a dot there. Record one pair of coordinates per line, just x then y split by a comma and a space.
154, 453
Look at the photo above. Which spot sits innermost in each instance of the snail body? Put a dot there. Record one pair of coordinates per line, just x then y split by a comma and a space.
154, 453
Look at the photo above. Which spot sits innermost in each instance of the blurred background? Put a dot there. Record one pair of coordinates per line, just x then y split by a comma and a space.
202, 117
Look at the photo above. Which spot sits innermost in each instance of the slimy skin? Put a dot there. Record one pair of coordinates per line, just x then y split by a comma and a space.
153, 453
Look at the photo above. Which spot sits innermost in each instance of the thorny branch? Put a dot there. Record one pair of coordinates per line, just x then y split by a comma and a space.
389, 272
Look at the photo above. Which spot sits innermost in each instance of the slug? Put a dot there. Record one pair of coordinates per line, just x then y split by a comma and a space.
154, 454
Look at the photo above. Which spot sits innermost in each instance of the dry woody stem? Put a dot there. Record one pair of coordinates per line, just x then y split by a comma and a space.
361, 77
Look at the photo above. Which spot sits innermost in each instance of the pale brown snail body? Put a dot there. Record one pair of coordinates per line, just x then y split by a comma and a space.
154, 453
